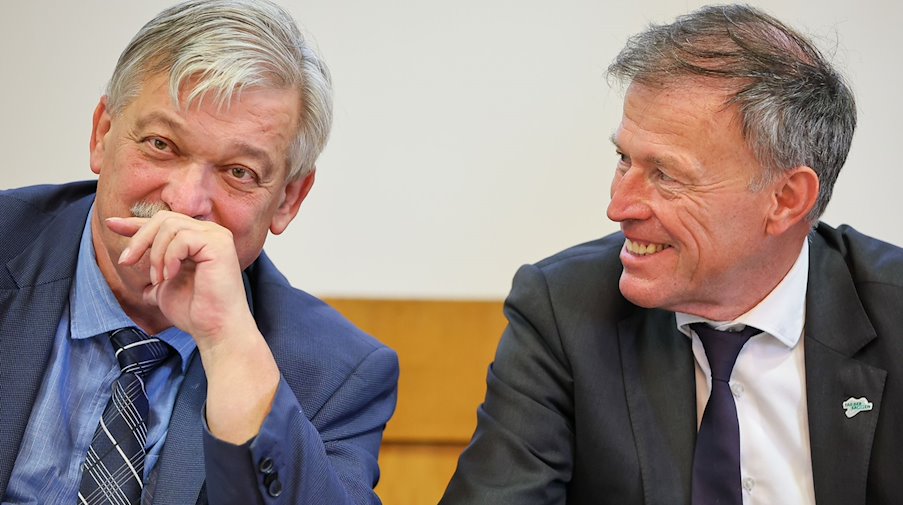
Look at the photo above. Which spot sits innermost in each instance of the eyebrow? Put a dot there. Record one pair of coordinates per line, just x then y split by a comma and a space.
158, 117
242, 148
659, 161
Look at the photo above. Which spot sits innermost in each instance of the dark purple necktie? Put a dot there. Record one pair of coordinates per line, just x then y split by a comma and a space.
716, 464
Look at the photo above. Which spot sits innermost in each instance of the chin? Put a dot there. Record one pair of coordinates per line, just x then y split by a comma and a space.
139, 272
643, 293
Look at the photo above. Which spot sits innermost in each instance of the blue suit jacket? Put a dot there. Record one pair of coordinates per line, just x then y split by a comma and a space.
341, 383
608, 392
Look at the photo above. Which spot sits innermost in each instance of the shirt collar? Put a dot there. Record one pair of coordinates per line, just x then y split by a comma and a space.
781, 314
95, 310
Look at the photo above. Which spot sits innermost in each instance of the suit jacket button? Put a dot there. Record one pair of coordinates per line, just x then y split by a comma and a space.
266, 466
274, 485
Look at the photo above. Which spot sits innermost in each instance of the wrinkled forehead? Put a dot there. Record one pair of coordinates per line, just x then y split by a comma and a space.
722, 91
691, 98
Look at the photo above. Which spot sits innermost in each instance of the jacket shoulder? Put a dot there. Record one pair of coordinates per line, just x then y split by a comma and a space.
26, 213
575, 284
316, 347
44, 198
591, 266
869, 260
593, 256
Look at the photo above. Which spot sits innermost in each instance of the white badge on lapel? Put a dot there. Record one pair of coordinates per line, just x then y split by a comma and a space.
854, 406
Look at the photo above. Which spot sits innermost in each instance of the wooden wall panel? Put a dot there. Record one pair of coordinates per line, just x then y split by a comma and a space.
415, 474
444, 348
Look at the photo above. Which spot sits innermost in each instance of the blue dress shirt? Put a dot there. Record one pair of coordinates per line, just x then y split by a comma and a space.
77, 386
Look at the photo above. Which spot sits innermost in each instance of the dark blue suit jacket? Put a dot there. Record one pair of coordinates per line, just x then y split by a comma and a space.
341, 382
592, 400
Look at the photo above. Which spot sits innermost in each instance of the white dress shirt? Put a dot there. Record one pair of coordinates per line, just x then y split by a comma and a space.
769, 386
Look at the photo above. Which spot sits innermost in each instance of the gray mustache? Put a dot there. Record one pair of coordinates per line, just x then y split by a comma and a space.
147, 209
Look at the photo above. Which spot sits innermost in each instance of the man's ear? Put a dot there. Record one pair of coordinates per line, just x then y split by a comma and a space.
295, 193
99, 130
794, 196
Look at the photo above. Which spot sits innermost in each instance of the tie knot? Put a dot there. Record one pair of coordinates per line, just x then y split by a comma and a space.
136, 352
722, 347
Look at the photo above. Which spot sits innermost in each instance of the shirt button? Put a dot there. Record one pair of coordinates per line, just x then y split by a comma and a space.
737, 390
748, 484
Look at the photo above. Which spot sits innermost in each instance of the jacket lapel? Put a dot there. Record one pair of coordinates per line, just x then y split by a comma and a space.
660, 386
42, 275
181, 465
837, 327
182, 462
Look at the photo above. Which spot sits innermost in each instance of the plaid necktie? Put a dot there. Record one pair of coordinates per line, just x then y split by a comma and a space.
716, 464
113, 471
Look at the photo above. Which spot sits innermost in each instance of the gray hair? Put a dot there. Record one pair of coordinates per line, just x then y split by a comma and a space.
795, 108
227, 46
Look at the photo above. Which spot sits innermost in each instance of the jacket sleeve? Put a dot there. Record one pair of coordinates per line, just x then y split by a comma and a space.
301, 458
522, 450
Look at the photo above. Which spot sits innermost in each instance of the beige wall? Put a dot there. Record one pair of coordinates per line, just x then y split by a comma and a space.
471, 136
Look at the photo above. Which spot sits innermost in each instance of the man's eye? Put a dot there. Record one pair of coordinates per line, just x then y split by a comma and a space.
159, 144
664, 177
241, 173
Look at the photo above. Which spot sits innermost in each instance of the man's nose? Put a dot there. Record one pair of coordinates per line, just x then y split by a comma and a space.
189, 191
629, 197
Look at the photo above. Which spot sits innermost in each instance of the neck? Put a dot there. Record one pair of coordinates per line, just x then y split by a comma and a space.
760, 281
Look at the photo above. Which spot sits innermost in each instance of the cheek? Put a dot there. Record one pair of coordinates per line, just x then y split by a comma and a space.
247, 220
249, 239
695, 233
687, 224
131, 173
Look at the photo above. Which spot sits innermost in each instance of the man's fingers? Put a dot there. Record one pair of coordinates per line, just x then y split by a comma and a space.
177, 250
150, 294
142, 232
149, 234
175, 242
125, 226
162, 240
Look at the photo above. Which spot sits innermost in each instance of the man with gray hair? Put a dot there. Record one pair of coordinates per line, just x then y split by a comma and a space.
724, 347
151, 352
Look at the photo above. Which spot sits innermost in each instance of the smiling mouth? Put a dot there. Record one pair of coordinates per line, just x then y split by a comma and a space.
643, 249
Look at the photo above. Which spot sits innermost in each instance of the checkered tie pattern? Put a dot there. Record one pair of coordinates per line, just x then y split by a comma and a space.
113, 471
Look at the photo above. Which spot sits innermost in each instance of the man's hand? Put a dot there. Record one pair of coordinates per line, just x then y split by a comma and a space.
195, 278
196, 283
